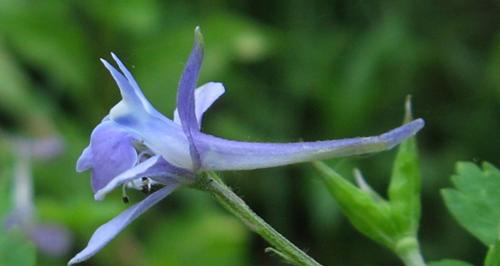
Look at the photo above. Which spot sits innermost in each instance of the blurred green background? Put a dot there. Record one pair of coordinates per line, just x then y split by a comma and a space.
292, 70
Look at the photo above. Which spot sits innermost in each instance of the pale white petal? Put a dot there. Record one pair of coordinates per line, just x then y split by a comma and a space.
204, 97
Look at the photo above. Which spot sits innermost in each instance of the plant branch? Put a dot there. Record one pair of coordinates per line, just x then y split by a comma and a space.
286, 249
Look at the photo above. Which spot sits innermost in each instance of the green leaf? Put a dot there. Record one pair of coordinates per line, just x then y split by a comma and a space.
404, 188
449, 262
475, 199
369, 216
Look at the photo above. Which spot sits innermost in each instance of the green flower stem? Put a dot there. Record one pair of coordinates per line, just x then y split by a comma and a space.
409, 252
238, 207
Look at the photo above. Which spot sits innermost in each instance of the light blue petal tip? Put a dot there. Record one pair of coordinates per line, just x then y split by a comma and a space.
117, 60
106, 64
403, 132
198, 36
419, 124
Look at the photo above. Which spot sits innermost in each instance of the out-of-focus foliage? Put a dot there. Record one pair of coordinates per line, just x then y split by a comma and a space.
448, 262
15, 249
292, 70
5, 200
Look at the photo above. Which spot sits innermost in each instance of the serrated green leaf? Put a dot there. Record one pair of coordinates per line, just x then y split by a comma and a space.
475, 199
449, 262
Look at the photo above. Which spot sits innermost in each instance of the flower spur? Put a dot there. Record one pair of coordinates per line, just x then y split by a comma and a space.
136, 143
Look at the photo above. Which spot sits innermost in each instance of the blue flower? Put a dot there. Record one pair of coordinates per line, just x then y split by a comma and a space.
136, 146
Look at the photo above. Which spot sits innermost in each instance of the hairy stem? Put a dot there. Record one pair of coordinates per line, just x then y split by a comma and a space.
413, 259
409, 252
238, 207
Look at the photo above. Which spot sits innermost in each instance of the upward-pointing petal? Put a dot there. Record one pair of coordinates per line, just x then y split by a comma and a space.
145, 103
127, 74
106, 232
137, 116
187, 85
128, 92
220, 154
185, 95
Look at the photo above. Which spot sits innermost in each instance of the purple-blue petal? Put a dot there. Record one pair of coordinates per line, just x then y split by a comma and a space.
221, 154
84, 163
113, 152
185, 95
106, 232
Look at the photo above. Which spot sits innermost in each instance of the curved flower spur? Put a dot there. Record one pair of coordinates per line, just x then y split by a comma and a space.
136, 146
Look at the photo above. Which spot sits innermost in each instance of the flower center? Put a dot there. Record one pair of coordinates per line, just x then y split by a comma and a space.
145, 184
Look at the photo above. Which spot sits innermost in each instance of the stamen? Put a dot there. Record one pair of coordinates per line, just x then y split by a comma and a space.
146, 185
125, 198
